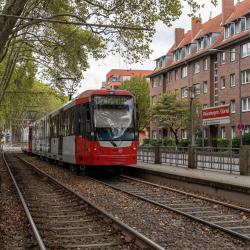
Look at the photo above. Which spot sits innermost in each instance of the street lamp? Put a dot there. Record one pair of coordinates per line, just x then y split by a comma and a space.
239, 71
70, 88
192, 91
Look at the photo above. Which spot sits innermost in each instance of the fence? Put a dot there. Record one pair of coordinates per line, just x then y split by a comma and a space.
220, 159
216, 159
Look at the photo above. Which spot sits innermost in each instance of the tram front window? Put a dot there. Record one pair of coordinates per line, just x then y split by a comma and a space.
114, 118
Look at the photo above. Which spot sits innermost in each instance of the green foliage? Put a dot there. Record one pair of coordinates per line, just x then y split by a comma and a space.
246, 139
170, 112
168, 142
138, 86
223, 143
26, 98
65, 49
184, 143
236, 142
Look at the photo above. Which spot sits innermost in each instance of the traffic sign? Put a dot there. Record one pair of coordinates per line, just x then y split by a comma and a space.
241, 126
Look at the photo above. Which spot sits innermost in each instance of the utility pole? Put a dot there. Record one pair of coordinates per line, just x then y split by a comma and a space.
192, 114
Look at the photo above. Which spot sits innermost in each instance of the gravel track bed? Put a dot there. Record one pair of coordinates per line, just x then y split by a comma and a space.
167, 228
15, 232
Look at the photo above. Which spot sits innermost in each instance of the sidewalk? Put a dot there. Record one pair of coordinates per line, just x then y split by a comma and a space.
197, 175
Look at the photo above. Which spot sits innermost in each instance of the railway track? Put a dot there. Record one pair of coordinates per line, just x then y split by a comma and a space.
232, 219
62, 219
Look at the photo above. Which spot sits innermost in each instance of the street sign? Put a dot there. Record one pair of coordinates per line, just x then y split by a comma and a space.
216, 115
240, 127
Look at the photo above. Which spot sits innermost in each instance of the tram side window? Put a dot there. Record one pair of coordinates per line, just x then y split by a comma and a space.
83, 120
68, 122
54, 126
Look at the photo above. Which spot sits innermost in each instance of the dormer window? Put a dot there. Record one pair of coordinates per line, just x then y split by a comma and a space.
232, 29
243, 24
237, 27
161, 62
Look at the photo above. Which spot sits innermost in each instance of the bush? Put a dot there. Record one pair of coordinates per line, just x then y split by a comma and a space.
246, 139
198, 142
236, 142
183, 143
223, 143
168, 142
214, 143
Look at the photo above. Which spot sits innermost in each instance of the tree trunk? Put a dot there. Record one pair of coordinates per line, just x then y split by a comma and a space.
7, 24
175, 132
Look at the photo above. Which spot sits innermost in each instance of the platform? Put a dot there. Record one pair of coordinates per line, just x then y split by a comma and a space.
215, 179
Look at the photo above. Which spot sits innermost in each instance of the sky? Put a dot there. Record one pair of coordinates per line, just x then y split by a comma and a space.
162, 41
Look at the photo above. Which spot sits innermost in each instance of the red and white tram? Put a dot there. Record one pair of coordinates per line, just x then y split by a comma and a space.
97, 128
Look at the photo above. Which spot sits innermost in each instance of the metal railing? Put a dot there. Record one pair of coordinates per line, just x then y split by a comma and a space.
218, 159
209, 158
177, 156
146, 154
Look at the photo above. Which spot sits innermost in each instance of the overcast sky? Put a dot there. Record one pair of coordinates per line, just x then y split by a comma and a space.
162, 41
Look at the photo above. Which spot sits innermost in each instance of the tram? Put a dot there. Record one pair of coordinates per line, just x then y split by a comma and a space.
98, 128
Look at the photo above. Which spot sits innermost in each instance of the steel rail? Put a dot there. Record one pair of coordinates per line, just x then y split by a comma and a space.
129, 230
213, 225
26, 209
243, 209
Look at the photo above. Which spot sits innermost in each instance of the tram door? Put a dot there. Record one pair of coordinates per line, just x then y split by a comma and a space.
60, 139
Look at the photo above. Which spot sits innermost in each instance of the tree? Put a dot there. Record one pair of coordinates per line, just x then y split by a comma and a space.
171, 113
61, 35
138, 86
27, 99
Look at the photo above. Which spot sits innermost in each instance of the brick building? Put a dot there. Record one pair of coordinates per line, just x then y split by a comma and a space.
214, 58
116, 77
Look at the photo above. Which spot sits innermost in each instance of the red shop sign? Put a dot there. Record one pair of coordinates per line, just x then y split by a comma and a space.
216, 112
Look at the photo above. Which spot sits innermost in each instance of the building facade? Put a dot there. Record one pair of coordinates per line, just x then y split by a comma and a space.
214, 59
116, 77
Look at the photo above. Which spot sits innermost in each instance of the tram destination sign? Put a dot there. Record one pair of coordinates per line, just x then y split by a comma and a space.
216, 115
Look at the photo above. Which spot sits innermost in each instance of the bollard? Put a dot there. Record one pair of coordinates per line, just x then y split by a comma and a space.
245, 160
192, 157
157, 155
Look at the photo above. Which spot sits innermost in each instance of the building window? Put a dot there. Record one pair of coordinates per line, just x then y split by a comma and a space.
237, 27
223, 132
248, 22
205, 64
232, 55
197, 89
247, 129
245, 76
243, 24
170, 76
232, 80
222, 103
196, 68
205, 106
183, 134
232, 29
184, 92
184, 71
154, 134
205, 87
222, 82
233, 132
223, 57
245, 104
232, 106
176, 74
155, 82
126, 78
245, 50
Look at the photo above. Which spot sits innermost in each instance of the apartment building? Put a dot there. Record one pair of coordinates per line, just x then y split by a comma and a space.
116, 77
214, 59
